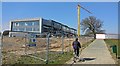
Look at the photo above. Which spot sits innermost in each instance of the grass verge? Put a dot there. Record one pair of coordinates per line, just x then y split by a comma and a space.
87, 44
111, 42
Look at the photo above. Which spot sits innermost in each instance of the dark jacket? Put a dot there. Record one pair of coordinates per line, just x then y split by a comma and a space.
76, 45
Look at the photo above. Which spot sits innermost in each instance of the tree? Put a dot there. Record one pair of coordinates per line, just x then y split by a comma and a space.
92, 25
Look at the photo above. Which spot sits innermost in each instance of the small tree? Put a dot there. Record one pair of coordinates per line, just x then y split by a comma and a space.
91, 25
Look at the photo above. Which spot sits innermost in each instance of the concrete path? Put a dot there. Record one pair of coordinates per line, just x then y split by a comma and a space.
96, 53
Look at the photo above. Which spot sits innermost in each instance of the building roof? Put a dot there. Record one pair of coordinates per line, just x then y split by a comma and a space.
27, 19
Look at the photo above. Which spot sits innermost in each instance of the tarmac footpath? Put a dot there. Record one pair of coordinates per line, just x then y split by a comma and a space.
96, 53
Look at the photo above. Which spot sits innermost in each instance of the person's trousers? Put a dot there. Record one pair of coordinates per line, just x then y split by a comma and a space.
76, 51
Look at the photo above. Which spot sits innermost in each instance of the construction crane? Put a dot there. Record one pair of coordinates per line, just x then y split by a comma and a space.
78, 8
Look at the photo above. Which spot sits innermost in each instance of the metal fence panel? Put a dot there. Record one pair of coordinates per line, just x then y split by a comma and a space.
48, 48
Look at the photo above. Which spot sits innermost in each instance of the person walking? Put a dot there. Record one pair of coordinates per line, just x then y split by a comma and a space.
76, 45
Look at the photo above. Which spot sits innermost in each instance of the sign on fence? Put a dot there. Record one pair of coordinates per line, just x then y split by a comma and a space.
32, 40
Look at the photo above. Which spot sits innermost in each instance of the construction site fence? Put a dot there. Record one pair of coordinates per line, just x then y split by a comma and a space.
16, 50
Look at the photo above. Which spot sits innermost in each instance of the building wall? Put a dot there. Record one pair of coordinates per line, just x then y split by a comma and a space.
26, 26
18, 34
106, 36
111, 36
100, 36
40, 26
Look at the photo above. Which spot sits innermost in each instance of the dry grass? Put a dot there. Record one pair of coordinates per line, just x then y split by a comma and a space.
18, 44
14, 47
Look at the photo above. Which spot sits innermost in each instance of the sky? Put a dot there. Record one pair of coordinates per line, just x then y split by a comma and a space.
60, 0
0, 16
63, 12
119, 18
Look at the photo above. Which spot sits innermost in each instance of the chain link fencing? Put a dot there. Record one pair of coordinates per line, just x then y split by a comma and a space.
46, 49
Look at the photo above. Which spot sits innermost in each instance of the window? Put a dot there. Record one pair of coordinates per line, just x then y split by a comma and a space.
46, 27
14, 29
21, 29
75, 31
21, 23
64, 28
15, 24
36, 23
28, 29
29, 23
35, 29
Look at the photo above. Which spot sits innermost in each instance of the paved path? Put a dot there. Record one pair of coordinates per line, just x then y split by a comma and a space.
96, 53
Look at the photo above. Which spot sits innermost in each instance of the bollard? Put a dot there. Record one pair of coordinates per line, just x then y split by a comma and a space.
114, 49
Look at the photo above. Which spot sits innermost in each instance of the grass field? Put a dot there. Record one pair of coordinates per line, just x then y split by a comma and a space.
54, 58
111, 42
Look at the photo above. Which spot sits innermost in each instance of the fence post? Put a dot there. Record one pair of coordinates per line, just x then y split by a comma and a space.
1, 45
62, 43
25, 44
69, 44
47, 48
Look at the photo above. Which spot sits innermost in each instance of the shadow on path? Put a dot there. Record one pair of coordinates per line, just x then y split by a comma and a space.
86, 59
89, 59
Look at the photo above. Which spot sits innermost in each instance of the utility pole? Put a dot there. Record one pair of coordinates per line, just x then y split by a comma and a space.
78, 9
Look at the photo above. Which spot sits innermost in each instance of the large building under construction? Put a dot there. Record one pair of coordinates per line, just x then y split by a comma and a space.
39, 26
